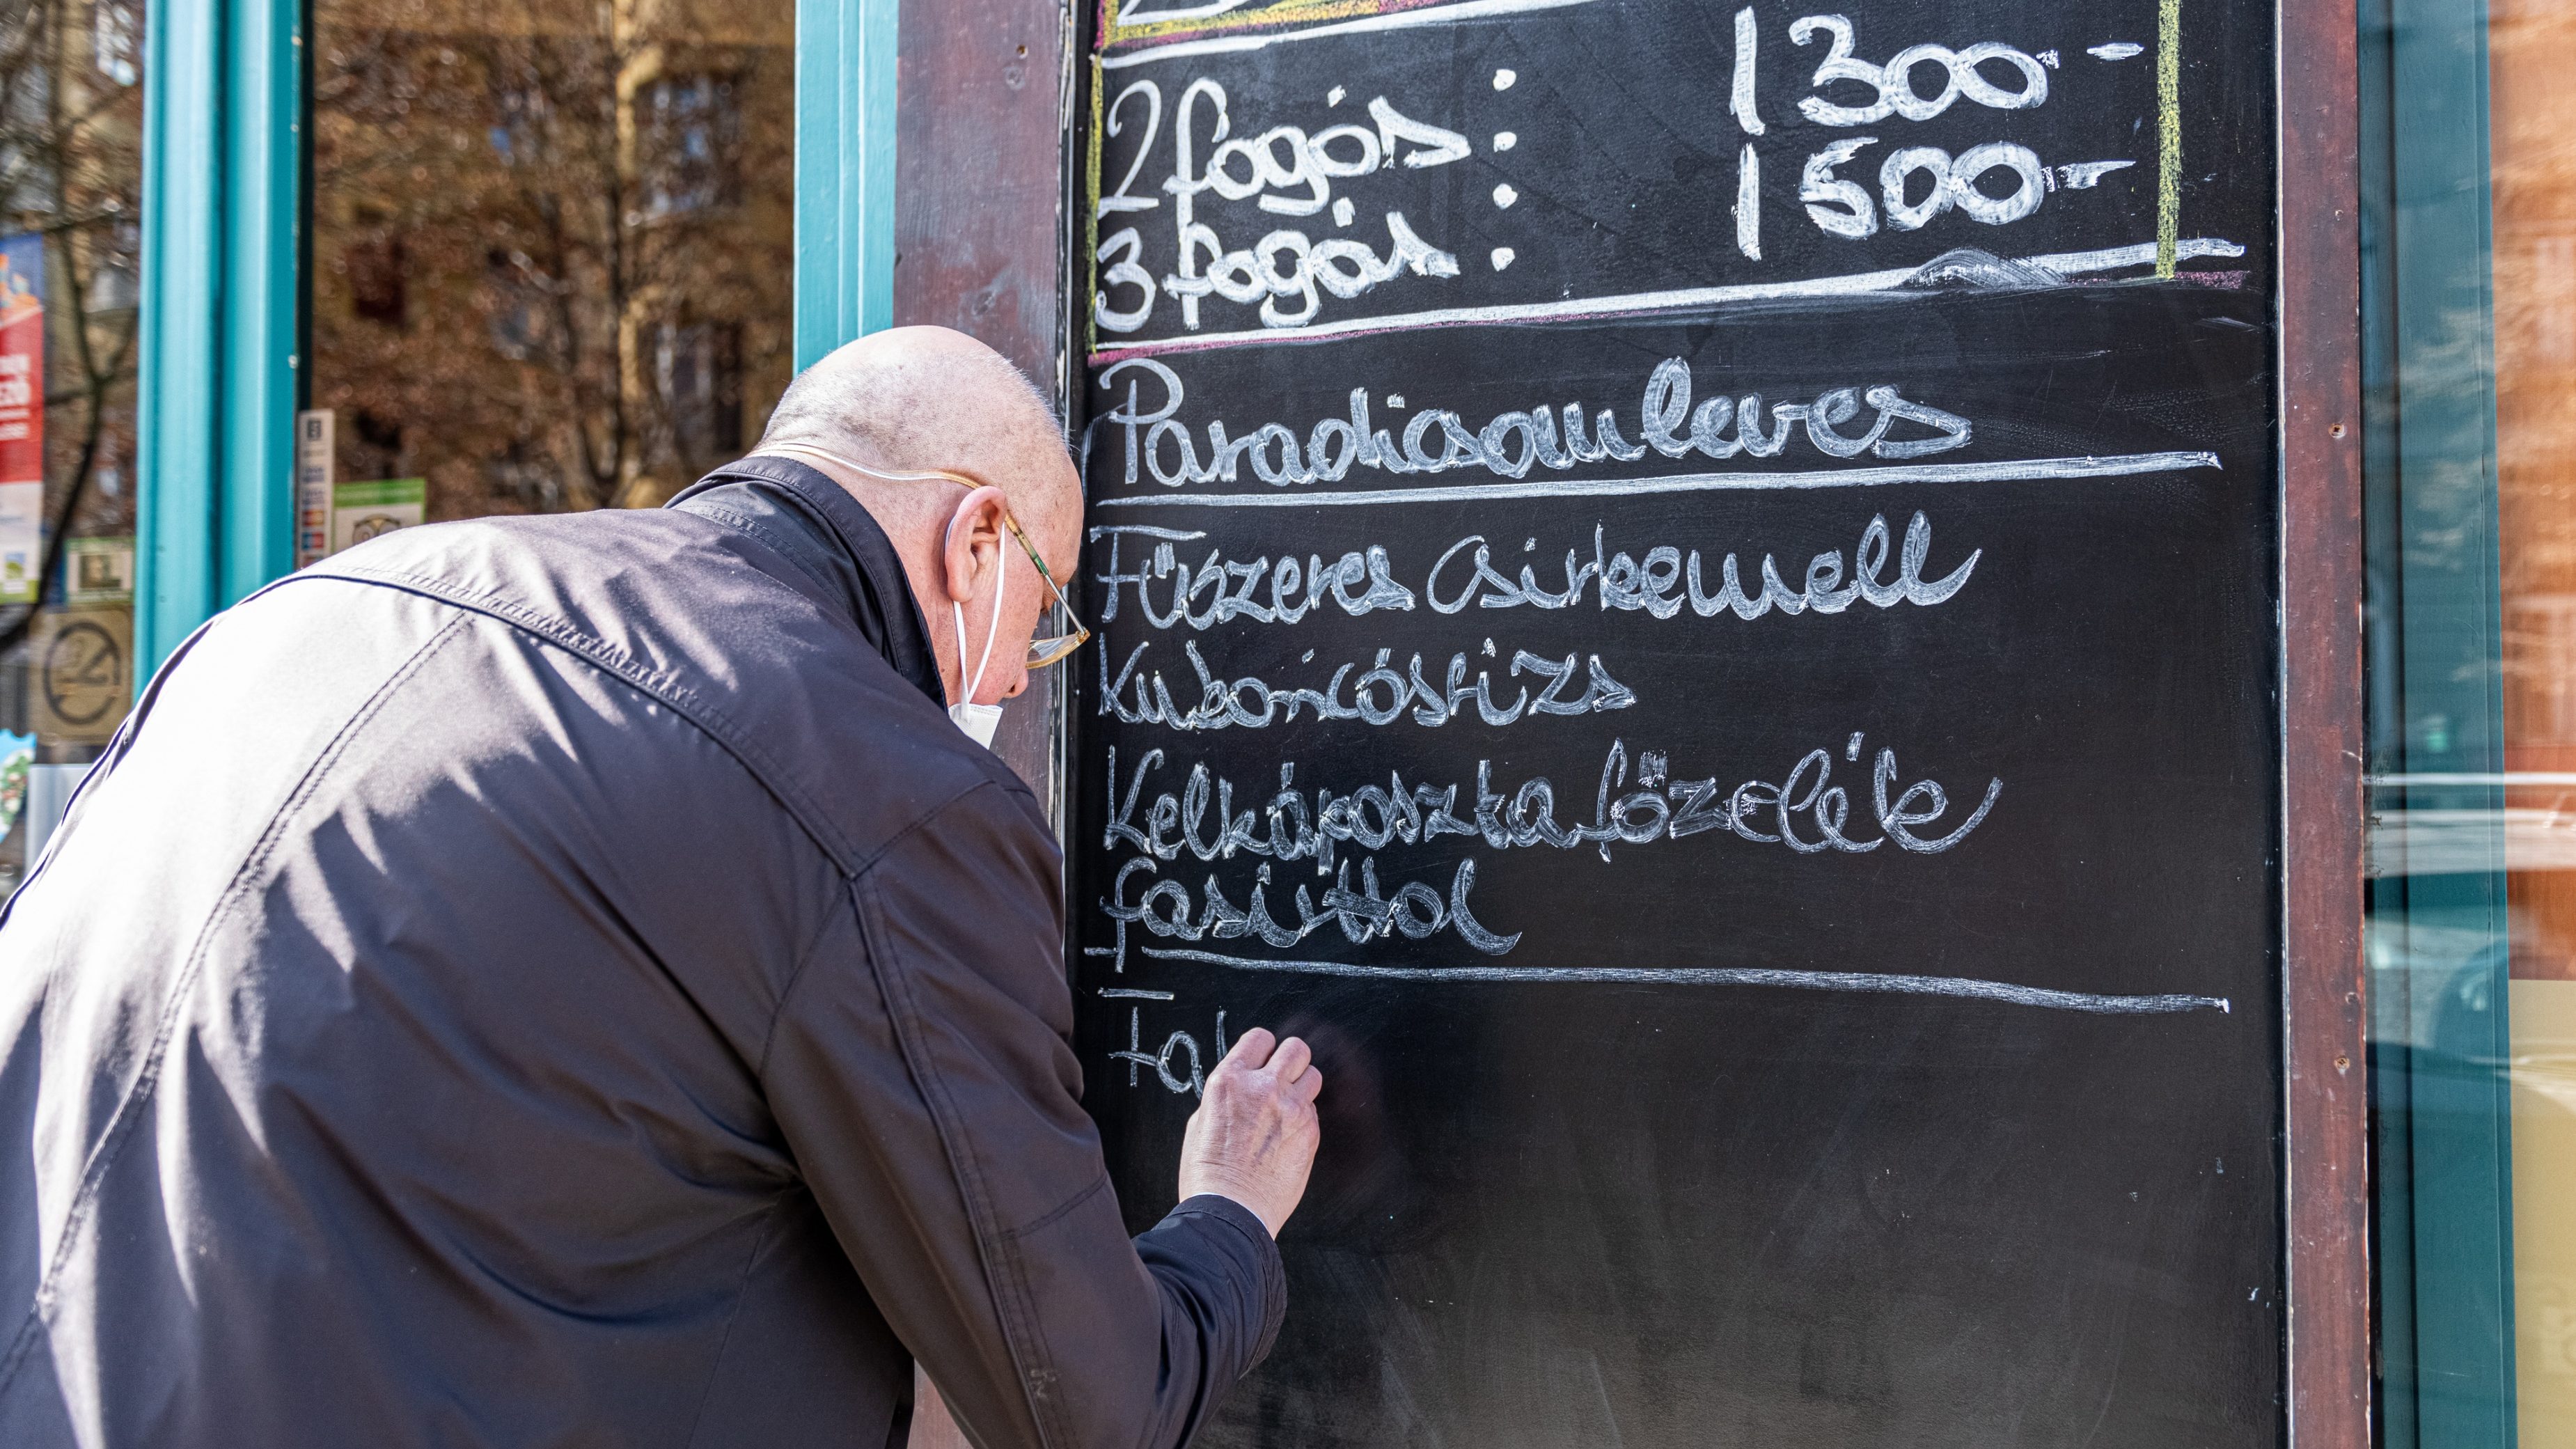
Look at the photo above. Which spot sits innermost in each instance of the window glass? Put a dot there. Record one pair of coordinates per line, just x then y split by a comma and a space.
71, 114
551, 253
2470, 347
2532, 43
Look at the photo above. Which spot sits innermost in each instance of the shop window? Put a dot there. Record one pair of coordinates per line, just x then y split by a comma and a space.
2469, 274
373, 263
116, 39
698, 368
71, 113
554, 251
693, 134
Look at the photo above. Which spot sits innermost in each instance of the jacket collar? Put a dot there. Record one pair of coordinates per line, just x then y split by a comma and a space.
811, 522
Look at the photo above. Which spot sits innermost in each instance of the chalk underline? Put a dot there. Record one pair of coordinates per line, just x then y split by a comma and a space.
2114, 466
1967, 987
1891, 280
1394, 20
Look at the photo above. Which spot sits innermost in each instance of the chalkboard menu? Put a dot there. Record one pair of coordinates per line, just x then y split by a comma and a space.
1689, 591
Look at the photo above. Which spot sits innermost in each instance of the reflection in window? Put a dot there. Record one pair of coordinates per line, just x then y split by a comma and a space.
71, 113
116, 38
552, 245
692, 132
2470, 347
698, 372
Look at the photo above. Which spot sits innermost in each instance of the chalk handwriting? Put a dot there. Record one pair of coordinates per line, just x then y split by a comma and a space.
1284, 171
1844, 208
1366, 913
1381, 695
1892, 84
1144, 562
1161, 1061
1665, 580
1174, 1046
1804, 811
1228, 185
1158, 445
1359, 582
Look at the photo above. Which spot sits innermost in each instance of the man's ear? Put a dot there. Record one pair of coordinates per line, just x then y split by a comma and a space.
972, 554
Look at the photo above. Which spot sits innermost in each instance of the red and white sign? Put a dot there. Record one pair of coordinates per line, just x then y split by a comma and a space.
22, 416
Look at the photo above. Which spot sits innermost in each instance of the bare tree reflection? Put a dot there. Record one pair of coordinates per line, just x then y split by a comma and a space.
551, 243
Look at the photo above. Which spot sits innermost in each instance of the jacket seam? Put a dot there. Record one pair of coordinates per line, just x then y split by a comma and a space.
1059, 1214
1010, 1288
1266, 1266
147, 1081
787, 988
733, 1315
778, 1010
705, 716
1238, 1229
677, 694
720, 514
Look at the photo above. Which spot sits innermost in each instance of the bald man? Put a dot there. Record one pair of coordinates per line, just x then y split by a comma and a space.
584, 981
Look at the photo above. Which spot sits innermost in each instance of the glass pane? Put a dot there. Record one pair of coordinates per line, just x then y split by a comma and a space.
551, 253
2470, 283
2531, 45
71, 120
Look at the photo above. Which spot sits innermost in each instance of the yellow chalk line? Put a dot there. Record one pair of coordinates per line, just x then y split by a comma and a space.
1091, 219
1285, 11
2168, 133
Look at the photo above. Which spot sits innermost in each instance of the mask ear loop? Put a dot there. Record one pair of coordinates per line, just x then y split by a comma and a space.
957, 612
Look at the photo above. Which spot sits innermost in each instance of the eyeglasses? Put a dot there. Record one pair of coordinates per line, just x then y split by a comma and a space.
1045, 649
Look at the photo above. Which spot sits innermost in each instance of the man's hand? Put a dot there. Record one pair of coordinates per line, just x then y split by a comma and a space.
1254, 1135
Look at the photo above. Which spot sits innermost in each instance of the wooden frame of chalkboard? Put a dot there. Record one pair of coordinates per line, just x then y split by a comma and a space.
981, 196
2327, 1103
2316, 841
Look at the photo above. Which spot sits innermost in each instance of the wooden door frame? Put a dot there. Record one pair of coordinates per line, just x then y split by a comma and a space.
980, 104
2324, 990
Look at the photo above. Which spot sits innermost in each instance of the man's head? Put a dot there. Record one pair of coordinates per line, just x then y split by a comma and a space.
926, 399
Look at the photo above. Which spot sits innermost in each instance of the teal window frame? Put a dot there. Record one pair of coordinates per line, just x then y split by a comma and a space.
222, 118
845, 167
2441, 1092
223, 286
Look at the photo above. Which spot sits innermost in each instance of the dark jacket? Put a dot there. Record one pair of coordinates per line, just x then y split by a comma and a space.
565, 981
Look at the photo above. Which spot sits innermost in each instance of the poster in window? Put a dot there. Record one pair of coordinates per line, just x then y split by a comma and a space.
361, 511
83, 679
315, 472
22, 415
98, 571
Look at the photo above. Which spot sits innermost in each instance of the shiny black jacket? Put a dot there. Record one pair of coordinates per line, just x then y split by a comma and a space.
565, 981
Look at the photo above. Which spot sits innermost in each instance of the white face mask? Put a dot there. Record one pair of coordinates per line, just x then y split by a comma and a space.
978, 720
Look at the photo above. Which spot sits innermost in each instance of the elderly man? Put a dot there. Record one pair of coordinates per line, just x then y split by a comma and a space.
582, 980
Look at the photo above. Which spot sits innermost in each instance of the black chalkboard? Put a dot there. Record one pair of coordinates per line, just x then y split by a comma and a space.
1696, 607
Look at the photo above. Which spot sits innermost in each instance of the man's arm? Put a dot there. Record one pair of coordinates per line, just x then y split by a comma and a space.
920, 1071
1237, 1146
